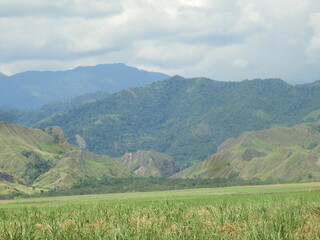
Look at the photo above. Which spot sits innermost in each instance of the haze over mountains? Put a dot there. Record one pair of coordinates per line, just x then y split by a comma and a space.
33, 89
29, 117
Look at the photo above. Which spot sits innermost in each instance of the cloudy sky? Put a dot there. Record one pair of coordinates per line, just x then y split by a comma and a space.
227, 40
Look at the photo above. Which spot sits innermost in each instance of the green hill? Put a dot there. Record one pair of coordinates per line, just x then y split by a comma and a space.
187, 118
150, 163
45, 159
10, 185
291, 154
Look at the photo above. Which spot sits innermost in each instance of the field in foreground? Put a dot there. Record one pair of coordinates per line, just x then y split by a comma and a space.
290, 211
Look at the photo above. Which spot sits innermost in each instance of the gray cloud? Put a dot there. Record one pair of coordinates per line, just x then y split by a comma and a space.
225, 40
59, 8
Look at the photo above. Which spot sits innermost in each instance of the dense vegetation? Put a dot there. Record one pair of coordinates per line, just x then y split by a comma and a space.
187, 118
91, 185
32, 116
269, 212
94, 185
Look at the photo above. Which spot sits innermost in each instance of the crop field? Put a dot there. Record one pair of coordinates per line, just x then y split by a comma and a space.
286, 211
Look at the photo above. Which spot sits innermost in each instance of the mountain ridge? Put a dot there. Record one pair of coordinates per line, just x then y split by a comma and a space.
291, 154
187, 118
33, 89
30, 117
46, 160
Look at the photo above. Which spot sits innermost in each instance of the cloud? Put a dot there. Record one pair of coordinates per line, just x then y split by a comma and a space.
186, 37
240, 63
313, 49
59, 8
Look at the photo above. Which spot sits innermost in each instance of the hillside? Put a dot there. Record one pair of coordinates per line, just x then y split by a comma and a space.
45, 159
150, 163
291, 154
29, 117
187, 118
35, 88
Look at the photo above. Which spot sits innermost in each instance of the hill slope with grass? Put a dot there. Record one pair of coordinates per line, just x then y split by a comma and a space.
291, 154
187, 118
45, 159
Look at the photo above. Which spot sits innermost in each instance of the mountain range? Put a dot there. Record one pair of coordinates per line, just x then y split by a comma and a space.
34, 160
262, 129
33, 89
186, 118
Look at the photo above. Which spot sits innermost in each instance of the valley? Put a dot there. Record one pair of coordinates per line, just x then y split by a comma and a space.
175, 133
149, 120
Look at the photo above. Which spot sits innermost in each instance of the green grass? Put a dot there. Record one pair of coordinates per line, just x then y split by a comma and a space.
290, 211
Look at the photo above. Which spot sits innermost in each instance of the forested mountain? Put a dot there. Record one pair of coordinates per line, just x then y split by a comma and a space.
35, 88
187, 118
32, 116
291, 154
150, 163
45, 159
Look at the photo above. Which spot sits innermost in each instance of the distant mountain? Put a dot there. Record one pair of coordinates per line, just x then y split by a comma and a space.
187, 118
2, 75
291, 154
150, 163
45, 159
32, 116
35, 88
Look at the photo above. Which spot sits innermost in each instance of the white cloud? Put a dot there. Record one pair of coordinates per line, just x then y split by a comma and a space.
187, 37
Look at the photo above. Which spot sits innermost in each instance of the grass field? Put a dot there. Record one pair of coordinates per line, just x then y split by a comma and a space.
287, 211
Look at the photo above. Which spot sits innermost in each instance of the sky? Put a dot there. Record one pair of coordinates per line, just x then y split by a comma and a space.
226, 40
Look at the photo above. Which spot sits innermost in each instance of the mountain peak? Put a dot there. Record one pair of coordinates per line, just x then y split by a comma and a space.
57, 133
150, 163
269, 81
33, 89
